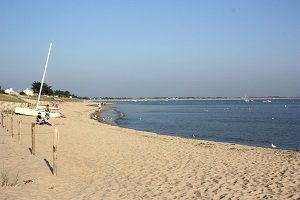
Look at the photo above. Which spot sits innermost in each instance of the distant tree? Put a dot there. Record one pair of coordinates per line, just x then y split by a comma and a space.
66, 94
46, 88
59, 93
22, 93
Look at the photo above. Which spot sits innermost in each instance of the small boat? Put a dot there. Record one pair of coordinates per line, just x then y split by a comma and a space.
267, 101
34, 112
41, 109
247, 99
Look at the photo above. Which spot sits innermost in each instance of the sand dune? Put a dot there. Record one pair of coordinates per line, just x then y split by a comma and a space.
99, 161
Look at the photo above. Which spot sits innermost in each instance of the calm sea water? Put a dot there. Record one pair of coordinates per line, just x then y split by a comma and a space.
255, 123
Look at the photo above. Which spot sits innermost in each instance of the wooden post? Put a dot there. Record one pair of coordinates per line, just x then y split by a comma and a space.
12, 126
19, 133
55, 142
33, 138
4, 123
2, 116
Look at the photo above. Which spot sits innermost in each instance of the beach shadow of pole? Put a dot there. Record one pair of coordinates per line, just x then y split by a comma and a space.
48, 164
30, 150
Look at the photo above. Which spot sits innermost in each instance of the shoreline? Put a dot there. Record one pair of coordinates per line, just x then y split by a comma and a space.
100, 161
108, 108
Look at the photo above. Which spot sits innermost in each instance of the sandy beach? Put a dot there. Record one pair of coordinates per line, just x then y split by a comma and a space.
99, 161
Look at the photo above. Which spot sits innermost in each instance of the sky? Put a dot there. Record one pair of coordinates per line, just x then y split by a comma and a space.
153, 48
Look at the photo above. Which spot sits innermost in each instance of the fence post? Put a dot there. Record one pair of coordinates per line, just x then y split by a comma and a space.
12, 126
55, 142
2, 116
19, 133
33, 138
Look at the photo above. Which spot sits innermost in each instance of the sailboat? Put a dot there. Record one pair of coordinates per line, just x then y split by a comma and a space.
32, 111
247, 99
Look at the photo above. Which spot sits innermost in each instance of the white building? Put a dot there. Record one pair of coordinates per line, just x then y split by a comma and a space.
28, 92
10, 91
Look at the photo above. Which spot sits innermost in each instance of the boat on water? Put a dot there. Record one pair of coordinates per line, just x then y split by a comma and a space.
267, 101
39, 109
247, 99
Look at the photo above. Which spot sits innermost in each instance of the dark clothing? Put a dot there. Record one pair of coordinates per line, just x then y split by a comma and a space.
40, 120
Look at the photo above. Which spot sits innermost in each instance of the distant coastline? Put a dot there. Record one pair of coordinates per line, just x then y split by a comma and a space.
114, 99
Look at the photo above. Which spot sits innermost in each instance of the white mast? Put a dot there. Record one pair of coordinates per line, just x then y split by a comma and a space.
37, 104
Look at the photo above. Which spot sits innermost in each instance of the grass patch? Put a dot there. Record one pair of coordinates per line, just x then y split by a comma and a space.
54, 99
7, 180
18, 99
11, 98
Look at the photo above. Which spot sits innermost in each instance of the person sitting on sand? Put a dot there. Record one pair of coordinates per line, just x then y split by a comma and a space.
47, 115
46, 120
42, 121
47, 112
39, 119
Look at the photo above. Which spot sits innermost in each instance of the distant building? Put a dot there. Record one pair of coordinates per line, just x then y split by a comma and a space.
10, 91
28, 92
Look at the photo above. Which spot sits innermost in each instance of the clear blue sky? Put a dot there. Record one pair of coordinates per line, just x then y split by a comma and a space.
147, 48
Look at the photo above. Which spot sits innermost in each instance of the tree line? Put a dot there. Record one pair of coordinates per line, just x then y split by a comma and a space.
47, 90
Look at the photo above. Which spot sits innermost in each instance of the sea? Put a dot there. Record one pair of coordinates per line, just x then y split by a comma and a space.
260, 123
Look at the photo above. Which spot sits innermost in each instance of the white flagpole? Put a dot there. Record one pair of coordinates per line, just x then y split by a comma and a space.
37, 104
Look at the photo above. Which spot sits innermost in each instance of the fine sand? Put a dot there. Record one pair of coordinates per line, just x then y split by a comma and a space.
99, 161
